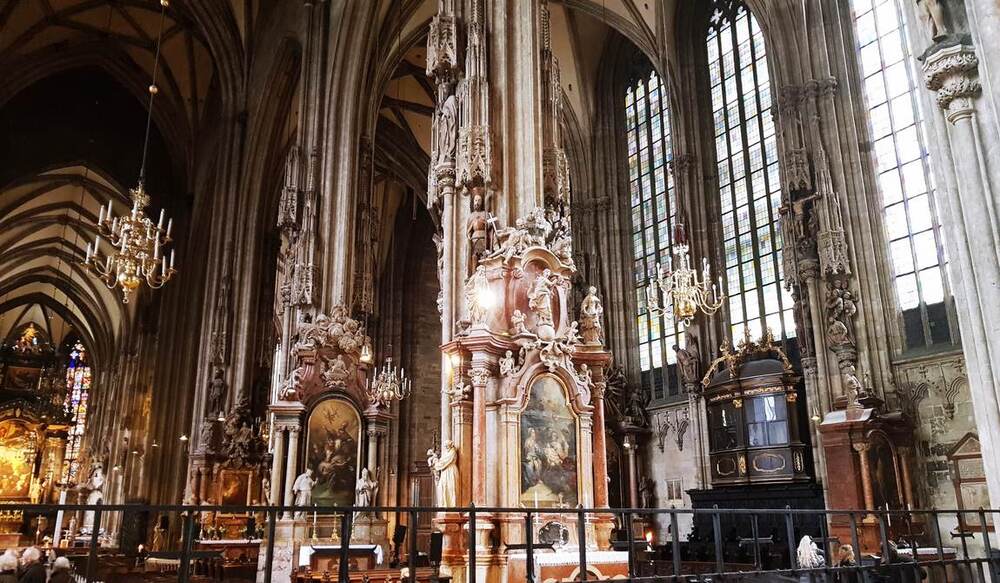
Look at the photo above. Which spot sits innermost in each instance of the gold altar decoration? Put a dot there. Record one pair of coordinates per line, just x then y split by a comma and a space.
136, 254
679, 293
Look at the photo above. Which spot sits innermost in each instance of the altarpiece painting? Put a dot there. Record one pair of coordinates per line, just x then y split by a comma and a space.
17, 456
333, 447
548, 446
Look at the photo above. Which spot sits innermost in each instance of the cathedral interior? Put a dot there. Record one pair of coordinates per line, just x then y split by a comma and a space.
499, 290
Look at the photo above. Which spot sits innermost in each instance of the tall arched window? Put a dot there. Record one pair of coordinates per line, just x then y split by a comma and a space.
77, 401
749, 187
903, 169
653, 198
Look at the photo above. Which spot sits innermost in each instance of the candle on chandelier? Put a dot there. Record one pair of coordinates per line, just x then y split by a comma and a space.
171, 259
159, 224
100, 218
170, 225
89, 254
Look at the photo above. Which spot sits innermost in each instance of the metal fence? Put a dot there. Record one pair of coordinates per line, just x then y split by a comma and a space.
716, 553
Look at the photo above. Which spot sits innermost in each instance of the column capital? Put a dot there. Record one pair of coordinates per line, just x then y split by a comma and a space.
861, 447
953, 73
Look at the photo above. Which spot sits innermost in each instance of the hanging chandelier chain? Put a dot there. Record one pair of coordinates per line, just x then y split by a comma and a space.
136, 255
153, 90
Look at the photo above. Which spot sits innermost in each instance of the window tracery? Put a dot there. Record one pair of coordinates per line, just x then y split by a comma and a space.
906, 184
747, 163
653, 201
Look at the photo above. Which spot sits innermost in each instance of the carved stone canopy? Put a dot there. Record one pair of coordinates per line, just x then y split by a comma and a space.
327, 357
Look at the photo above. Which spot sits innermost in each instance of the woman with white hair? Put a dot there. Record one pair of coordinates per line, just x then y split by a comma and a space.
32, 569
809, 557
61, 571
8, 567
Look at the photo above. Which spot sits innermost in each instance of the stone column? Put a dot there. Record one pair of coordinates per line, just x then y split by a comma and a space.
278, 457
202, 479
291, 468
600, 451
866, 478
480, 377
969, 133
631, 444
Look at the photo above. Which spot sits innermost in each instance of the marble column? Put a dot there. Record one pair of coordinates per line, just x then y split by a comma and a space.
966, 151
866, 477
278, 457
600, 451
290, 468
631, 444
479, 376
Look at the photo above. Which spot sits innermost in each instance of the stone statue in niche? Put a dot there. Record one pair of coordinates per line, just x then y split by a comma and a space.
540, 296
216, 392
302, 490
446, 469
591, 318
477, 228
688, 360
646, 487
840, 310
447, 131
95, 495
366, 489
475, 287
934, 14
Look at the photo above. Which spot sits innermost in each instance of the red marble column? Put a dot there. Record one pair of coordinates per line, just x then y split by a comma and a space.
600, 449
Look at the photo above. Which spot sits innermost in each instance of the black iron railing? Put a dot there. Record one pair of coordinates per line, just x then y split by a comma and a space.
915, 549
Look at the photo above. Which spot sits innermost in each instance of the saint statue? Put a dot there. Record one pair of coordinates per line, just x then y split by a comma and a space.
302, 490
688, 362
540, 296
932, 12
446, 468
432, 460
591, 315
366, 489
216, 392
95, 496
475, 289
447, 131
477, 228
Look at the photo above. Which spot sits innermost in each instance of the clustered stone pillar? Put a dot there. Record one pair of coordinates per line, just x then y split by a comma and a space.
970, 202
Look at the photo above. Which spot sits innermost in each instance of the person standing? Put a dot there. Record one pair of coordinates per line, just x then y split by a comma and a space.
32, 569
8, 567
61, 571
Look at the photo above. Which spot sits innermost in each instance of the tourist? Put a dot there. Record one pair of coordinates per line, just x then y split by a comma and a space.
8, 567
809, 557
32, 569
846, 560
61, 571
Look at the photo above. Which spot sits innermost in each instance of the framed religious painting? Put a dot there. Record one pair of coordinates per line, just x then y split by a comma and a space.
333, 447
234, 488
548, 447
17, 454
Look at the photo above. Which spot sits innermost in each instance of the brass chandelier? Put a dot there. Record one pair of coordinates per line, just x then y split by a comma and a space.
136, 253
390, 384
679, 293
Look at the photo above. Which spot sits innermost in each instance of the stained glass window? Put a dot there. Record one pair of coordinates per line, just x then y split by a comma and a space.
77, 401
749, 187
905, 181
653, 203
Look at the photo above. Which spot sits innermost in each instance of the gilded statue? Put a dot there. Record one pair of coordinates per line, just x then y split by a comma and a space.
591, 317
446, 470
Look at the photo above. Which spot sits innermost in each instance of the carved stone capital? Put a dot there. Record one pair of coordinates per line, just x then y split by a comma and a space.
953, 72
